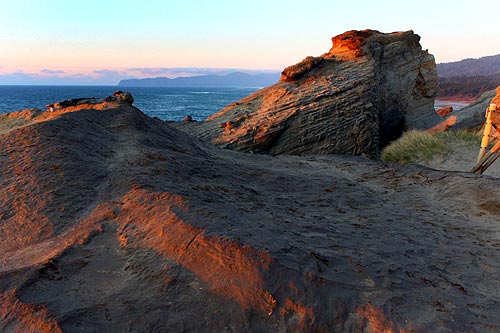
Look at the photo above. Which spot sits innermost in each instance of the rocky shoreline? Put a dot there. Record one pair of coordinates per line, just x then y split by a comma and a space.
113, 221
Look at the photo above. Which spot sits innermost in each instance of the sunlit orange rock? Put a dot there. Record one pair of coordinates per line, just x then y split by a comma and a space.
16, 316
354, 99
445, 110
377, 322
444, 125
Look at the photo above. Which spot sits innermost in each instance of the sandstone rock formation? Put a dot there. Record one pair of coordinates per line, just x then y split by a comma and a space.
473, 116
18, 119
445, 110
124, 97
352, 100
111, 221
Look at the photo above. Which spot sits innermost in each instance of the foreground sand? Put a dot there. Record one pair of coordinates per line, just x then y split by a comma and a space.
115, 222
461, 157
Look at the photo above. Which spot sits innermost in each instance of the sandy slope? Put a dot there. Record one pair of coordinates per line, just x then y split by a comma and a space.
114, 222
461, 157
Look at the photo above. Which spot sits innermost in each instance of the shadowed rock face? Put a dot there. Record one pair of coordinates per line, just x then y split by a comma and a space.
363, 93
111, 221
473, 115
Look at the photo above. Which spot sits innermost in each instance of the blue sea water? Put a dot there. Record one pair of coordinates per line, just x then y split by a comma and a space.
164, 103
456, 105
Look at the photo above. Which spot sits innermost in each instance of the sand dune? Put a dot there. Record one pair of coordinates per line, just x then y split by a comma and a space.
115, 222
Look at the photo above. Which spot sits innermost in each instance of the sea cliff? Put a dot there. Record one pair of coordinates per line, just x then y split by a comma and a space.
354, 99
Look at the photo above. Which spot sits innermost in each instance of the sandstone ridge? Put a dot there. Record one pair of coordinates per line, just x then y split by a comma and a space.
111, 221
356, 98
13, 120
473, 115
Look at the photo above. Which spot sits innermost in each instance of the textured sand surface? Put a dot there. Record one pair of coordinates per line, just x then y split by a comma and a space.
111, 221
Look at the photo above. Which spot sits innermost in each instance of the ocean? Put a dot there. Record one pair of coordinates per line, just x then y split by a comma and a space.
164, 103
456, 105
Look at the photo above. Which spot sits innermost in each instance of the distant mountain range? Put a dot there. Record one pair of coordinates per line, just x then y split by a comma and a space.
468, 78
235, 79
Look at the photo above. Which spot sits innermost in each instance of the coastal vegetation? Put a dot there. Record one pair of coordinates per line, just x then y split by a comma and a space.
422, 146
470, 67
296, 71
467, 87
112, 220
468, 78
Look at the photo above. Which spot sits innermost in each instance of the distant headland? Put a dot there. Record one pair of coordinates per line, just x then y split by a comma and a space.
234, 79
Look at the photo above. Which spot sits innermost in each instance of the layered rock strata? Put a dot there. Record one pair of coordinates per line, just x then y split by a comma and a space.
111, 221
363, 93
473, 115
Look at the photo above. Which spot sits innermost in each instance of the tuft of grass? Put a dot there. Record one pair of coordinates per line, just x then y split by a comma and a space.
414, 146
472, 137
296, 71
420, 146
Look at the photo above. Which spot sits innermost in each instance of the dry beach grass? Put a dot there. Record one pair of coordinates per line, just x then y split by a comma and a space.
448, 150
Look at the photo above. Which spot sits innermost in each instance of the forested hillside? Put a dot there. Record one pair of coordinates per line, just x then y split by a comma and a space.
468, 78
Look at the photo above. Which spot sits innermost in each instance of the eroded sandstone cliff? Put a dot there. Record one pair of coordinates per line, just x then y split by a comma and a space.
111, 221
352, 100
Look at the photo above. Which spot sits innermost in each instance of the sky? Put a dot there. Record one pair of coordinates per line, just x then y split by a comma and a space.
103, 41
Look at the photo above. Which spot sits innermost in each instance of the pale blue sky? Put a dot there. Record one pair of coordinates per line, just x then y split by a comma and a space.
78, 37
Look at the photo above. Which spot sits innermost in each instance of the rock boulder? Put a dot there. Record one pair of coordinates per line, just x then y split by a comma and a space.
356, 98
445, 110
118, 96
473, 115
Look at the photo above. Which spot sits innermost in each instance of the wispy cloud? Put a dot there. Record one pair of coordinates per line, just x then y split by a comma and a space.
172, 72
150, 71
52, 71
102, 76
155, 72
188, 71
44, 78
107, 72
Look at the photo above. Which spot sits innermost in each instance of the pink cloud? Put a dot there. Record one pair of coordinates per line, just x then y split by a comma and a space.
52, 71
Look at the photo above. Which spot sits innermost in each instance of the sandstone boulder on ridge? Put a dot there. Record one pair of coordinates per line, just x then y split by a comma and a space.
356, 98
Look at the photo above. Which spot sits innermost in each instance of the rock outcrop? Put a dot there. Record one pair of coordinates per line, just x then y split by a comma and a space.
473, 115
118, 96
111, 221
356, 98
18, 119
445, 110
